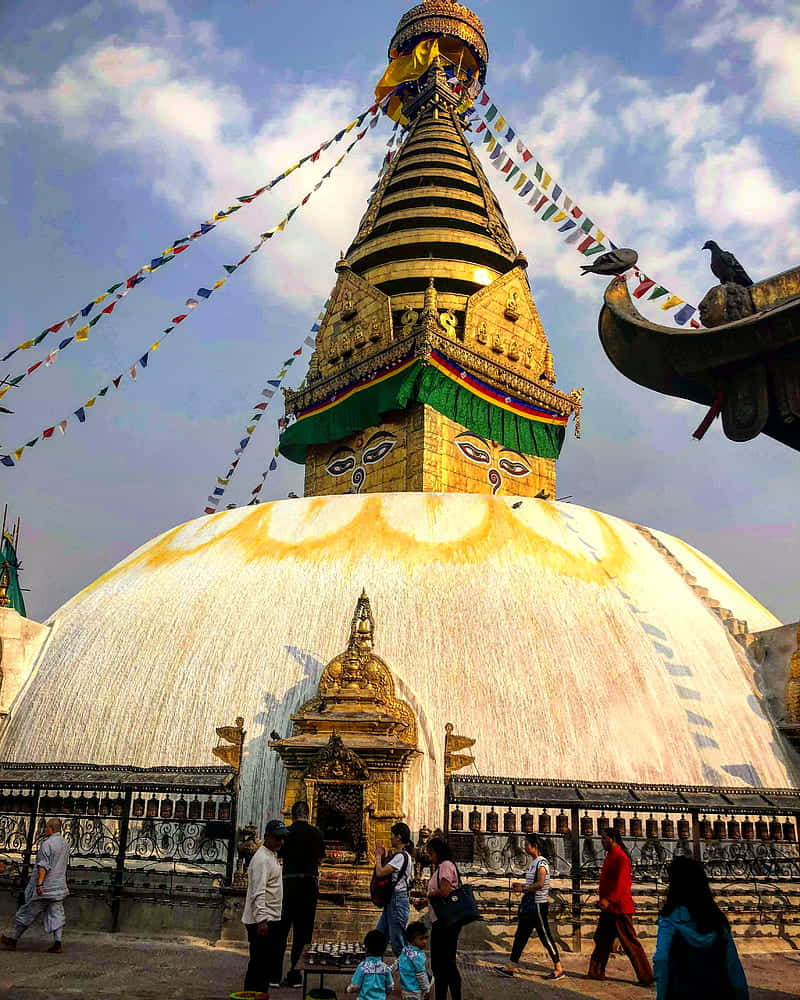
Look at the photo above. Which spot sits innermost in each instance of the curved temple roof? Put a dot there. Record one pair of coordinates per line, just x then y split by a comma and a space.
480, 610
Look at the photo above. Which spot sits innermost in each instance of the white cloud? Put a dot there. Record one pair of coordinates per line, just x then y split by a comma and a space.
90, 12
776, 54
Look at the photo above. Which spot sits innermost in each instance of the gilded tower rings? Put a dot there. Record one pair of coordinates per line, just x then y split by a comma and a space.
443, 17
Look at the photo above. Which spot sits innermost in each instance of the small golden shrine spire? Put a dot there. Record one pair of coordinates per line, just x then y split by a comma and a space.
362, 630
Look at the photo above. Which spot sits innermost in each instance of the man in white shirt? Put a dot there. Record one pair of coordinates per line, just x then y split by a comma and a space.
262, 911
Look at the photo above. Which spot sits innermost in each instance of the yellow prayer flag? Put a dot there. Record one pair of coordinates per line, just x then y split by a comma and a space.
559, 217
351, 126
219, 283
250, 429
4, 391
671, 302
83, 333
18, 453
155, 347
500, 124
291, 170
100, 298
90, 402
26, 345
147, 268
408, 67
491, 144
281, 226
546, 180
339, 160
277, 452
600, 235
282, 372
520, 182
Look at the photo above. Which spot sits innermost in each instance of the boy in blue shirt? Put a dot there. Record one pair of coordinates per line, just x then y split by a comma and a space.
415, 983
372, 980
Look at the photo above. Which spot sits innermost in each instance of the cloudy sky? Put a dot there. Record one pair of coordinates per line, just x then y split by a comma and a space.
126, 124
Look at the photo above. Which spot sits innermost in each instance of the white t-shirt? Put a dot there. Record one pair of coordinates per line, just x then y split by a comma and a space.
402, 883
540, 896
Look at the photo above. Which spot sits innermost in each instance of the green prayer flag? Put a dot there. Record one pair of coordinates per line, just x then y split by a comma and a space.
549, 212
512, 171
593, 250
95, 320
103, 391
40, 338
587, 225
539, 171
491, 114
657, 293
113, 288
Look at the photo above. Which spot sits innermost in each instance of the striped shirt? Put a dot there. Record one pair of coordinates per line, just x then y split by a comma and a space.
540, 896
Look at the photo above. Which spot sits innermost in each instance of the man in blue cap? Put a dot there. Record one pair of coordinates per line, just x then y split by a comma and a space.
262, 911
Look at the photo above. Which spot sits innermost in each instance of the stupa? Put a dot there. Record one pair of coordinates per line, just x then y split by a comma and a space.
429, 424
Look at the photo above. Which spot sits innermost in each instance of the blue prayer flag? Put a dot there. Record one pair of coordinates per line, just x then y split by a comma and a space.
218, 491
7, 460
684, 314
143, 360
204, 292
87, 309
274, 381
273, 465
557, 192
80, 413
206, 227
569, 224
64, 343
510, 134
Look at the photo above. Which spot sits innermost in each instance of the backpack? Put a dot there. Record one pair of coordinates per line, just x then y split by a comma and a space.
381, 887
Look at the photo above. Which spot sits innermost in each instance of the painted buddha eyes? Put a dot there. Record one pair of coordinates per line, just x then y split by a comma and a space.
340, 463
513, 467
375, 453
473, 452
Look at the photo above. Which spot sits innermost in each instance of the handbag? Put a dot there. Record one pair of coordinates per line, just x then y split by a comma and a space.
457, 909
381, 887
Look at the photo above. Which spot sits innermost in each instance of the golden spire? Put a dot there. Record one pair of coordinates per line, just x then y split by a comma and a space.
362, 629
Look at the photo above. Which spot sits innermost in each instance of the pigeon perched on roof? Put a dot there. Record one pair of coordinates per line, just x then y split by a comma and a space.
615, 262
726, 267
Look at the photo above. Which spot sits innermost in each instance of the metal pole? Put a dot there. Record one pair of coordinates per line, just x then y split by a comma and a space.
232, 839
26, 859
119, 873
698, 854
576, 879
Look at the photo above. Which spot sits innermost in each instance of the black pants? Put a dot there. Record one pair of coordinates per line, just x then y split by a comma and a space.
300, 897
266, 957
530, 922
444, 945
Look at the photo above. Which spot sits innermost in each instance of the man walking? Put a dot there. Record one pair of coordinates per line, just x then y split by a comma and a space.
262, 911
46, 890
302, 853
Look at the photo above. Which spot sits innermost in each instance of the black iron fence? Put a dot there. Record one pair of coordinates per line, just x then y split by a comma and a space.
747, 840
130, 830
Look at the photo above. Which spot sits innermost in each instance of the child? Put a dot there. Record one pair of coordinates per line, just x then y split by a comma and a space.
414, 981
372, 980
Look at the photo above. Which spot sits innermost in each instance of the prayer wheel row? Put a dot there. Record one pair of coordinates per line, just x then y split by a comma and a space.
719, 829
93, 805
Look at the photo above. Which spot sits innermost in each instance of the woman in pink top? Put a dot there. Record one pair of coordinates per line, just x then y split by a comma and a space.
444, 940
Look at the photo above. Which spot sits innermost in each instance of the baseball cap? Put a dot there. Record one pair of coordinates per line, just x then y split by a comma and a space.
276, 828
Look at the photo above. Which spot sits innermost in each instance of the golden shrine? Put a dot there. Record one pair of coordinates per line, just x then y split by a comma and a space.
432, 371
355, 788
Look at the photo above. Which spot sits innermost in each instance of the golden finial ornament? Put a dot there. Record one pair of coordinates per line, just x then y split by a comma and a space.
231, 755
454, 761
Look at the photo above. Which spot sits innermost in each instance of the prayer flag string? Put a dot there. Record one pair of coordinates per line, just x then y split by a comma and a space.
268, 392
548, 200
167, 255
203, 293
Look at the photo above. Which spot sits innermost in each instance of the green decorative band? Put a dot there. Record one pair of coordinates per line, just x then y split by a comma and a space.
439, 384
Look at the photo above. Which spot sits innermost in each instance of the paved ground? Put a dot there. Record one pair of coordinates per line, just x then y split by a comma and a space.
111, 967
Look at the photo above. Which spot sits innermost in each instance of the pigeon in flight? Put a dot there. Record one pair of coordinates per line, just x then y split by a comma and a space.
615, 262
726, 267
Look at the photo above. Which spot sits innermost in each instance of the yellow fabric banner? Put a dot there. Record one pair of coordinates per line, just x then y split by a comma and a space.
83, 333
671, 302
406, 68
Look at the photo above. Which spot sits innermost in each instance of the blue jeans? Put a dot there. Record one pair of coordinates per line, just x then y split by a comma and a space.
393, 921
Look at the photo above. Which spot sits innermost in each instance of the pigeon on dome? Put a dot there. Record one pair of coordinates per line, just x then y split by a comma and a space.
614, 262
726, 267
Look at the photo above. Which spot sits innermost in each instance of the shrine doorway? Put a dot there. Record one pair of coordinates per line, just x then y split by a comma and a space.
340, 815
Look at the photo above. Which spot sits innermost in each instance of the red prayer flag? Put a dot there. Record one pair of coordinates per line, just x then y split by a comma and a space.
246, 257
298, 352
484, 99
109, 309
117, 381
695, 324
480, 128
56, 328
260, 406
305, 199
48, 433
181, 249
527, 155
257, 489
373, 109
585, 244
34, 367
508, 165
209, 510
541, 202
643, 287
577, 212
315, 156
179, 319
361, 135
131, 281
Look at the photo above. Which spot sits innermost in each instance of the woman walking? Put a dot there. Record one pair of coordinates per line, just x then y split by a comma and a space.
616, 918
400, 869
444, 940
695, 955
533, 909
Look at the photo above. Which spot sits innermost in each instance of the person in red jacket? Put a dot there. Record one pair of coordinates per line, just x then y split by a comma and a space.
616, 904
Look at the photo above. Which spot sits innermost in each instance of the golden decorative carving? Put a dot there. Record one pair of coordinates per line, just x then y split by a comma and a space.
548, 374
409, 320
448, 322
482, 335
347, 310
793, 685
5, 578
454, 761
336, 762
359, 337
441, 17
513, 349
527, 358
512, 306
497, 344
375, 330
231, 755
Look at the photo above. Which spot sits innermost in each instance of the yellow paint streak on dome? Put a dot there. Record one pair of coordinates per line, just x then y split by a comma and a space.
410, 528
